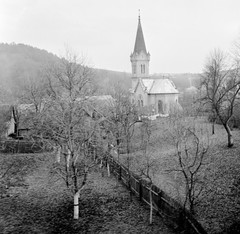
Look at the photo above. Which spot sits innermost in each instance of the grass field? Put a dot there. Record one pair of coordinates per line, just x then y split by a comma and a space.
32, 200
219, 207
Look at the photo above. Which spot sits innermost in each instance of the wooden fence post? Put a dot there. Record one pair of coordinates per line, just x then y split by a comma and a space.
120, 172
159, 204
140, 190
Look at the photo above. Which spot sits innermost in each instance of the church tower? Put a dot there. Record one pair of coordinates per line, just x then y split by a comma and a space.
140, 57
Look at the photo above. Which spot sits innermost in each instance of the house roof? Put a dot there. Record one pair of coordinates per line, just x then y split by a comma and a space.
101, 98
158, 86
139, 42
98, 103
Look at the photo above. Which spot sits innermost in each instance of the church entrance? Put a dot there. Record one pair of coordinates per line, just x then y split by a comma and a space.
160, 107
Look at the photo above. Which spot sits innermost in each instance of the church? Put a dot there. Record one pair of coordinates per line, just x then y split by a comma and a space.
153, 95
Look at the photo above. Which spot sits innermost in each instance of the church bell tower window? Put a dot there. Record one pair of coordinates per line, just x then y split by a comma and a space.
143, 68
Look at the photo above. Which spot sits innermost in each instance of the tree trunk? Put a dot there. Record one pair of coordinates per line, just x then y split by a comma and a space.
101, 167
94, 154
118, 147
76, 206
77, 193
67, 162
129, 186
214, 121
58, 154
68, 158
213, 127
151, 204
229, 134
108, 169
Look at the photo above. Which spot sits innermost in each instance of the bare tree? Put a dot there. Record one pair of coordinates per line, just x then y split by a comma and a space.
221, 85
122, 117
33, 92
190, 161
64, 121
147, 165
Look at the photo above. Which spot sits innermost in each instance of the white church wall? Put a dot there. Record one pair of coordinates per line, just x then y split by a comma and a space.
167, 101
140, 95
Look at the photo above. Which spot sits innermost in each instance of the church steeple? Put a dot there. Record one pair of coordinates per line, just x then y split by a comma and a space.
140, 57
139, 42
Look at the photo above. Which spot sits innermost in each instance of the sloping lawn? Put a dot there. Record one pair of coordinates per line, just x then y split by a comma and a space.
35, 201
219, 208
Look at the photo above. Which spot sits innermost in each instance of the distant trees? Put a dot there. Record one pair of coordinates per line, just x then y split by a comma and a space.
121, 119
34, 92
220, 86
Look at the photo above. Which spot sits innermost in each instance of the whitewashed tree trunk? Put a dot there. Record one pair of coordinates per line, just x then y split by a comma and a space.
94, 154
151, 205
68, 158
108, 169
100, 166
76, 206
58, 154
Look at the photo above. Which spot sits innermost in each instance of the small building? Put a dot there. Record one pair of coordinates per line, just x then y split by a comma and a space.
155, 95
6, 125
16, 126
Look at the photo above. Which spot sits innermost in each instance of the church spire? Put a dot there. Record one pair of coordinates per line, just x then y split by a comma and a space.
139, 58
139, 42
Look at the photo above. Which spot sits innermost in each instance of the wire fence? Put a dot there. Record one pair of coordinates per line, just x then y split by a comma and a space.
20, 146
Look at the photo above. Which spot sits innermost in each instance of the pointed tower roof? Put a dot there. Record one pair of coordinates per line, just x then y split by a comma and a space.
139, 43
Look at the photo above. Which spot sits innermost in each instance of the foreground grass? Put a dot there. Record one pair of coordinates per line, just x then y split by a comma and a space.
35, 201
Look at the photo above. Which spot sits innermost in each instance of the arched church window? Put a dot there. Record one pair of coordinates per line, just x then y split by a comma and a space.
141, 102
142, 68
160, 107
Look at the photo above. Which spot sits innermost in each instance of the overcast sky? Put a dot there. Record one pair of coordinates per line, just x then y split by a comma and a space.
179, 34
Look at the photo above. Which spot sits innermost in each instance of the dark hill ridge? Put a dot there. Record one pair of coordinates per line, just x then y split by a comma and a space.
19, 62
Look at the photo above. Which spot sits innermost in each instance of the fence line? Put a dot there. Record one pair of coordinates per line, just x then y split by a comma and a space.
20, 146
162, 203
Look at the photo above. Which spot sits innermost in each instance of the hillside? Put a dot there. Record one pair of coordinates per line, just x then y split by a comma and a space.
19, 63
218, 207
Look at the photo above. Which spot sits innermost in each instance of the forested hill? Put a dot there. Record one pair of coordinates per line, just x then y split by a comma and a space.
19, 63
